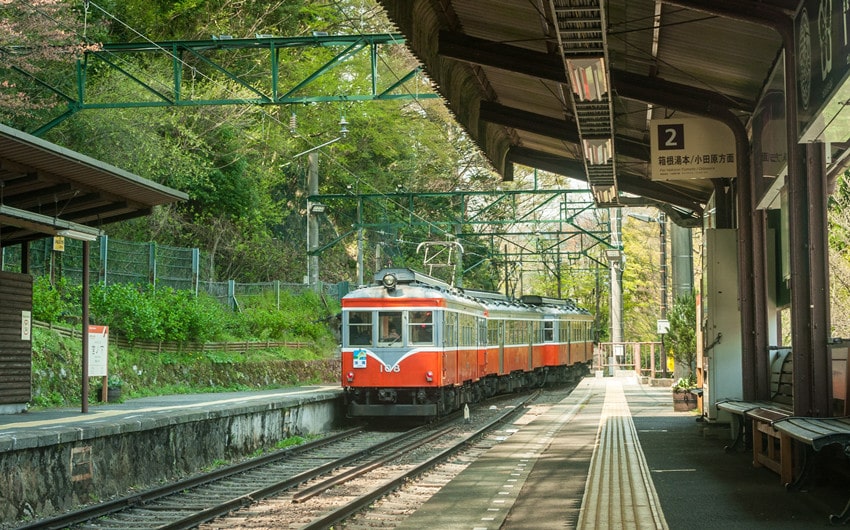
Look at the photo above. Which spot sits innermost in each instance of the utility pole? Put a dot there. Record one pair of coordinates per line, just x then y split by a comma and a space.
312, 221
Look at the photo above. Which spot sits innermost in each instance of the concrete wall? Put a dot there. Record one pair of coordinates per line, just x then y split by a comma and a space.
58, 470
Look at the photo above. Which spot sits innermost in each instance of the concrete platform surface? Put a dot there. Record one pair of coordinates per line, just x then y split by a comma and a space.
615, 455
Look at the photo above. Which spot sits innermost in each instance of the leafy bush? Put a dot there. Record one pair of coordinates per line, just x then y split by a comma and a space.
46, 301
139, 312
127, 309
683, 327
295, 320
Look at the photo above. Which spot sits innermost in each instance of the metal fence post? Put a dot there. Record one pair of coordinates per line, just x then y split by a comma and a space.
196, 269
152, 265
104, 259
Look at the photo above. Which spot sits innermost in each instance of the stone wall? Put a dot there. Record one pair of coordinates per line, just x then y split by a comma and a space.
57, 470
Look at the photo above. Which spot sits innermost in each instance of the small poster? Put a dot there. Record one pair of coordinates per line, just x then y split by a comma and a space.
26, 325
98, 349
359, 360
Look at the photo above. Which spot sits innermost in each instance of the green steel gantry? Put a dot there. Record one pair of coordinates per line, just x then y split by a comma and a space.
188, 59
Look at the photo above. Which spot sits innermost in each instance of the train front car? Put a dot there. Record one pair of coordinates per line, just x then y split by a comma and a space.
401, 354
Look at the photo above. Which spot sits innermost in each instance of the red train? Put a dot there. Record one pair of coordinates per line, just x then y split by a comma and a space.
414, 346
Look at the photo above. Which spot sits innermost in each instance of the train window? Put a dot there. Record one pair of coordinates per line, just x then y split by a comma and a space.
421, 327
450, 338
493, 332
389, 327
548, 331
467, 330
360, 328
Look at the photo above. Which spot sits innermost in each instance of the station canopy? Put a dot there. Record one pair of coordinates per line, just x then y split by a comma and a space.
47, 190
574, 86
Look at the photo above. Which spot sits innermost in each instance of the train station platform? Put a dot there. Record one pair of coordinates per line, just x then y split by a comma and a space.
615, 455
56, 459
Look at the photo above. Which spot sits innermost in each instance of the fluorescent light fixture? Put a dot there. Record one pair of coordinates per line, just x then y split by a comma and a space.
598, 151
604, 194
317, 207
79, 234
588, 78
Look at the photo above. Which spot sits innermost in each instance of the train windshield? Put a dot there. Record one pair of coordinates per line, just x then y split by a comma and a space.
360, 328
421, 327
389, 327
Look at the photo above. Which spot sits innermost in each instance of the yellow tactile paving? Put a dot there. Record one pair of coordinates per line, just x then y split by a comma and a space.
619, 492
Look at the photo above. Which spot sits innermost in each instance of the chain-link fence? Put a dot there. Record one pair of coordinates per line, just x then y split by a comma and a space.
115, 261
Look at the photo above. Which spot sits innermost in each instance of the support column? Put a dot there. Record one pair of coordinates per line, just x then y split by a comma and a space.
809, 284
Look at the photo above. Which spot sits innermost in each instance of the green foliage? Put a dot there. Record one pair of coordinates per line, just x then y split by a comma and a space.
57, 371
139, 312
681, 339
290, 442
48, 304
685, 383
641, 278
297, 319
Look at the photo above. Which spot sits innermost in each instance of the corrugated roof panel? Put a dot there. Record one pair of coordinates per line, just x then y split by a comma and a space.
44, 178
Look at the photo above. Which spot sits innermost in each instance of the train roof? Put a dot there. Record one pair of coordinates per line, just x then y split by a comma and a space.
391, 279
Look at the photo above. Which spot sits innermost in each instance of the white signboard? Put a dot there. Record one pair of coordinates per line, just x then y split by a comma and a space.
663, 326
26, 325
98, 349
691, 148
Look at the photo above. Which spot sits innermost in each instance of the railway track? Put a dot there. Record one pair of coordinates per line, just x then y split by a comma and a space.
343, 499
303, 478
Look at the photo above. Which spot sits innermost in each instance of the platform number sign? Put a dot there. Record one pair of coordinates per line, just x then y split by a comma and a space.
359, 359
691, 148
671, 136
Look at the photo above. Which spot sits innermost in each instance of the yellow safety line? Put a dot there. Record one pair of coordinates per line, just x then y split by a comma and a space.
619, 492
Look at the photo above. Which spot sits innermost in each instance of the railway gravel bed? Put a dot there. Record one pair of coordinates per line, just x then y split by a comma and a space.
387, 494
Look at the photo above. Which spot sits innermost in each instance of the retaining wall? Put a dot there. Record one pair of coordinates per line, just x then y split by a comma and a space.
50, 470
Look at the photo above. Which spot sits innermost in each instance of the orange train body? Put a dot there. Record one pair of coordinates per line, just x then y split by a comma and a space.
415, 346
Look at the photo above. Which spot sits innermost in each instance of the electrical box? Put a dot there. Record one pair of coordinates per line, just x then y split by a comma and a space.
721, 322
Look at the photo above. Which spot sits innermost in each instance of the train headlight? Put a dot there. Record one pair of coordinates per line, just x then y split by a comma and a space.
429, 376
350, 376
390, 281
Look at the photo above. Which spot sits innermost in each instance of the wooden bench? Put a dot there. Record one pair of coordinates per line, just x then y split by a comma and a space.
815, 434
771, 448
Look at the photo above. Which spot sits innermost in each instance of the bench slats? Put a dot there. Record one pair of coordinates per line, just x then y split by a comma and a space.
817, 432
742, 407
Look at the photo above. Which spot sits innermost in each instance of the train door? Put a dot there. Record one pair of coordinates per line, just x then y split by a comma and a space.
501, 347
481, 346
531, 329
451, 335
